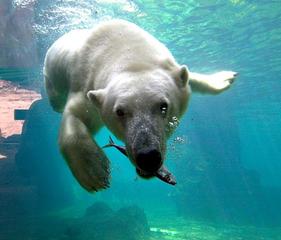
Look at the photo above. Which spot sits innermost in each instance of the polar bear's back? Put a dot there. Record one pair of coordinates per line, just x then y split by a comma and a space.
83, 60
118, 45
59, 63
60, 55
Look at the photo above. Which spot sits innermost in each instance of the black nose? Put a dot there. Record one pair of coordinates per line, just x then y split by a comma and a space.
149, 160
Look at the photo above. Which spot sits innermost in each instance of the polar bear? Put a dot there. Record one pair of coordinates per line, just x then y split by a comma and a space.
120, 76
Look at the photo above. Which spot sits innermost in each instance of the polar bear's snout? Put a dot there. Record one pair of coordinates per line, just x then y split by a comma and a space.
149, 160
145, 143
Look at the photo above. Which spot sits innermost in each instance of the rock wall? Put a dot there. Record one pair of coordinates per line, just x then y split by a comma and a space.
18, 46
12, 97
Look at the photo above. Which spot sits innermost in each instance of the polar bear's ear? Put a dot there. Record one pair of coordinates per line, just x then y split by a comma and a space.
183, 76
96, 96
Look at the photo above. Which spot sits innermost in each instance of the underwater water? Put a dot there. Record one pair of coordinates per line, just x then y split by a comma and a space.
225, 152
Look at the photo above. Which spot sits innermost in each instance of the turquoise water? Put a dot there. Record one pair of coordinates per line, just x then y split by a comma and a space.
225, 153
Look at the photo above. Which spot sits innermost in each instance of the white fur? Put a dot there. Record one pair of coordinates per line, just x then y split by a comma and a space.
91, 73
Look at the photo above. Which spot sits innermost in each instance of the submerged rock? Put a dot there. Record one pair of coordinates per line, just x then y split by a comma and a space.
102, 223
99, 210
39, 161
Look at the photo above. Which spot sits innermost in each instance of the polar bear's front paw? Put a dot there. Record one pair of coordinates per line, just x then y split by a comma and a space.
95, 176
90, 166
221, 80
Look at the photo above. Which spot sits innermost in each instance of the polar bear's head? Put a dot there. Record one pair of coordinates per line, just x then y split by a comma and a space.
141, 109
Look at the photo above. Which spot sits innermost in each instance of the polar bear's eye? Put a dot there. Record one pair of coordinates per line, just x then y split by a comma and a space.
164, 108
120, 112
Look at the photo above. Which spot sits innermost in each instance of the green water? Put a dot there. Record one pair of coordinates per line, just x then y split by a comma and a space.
225, 153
